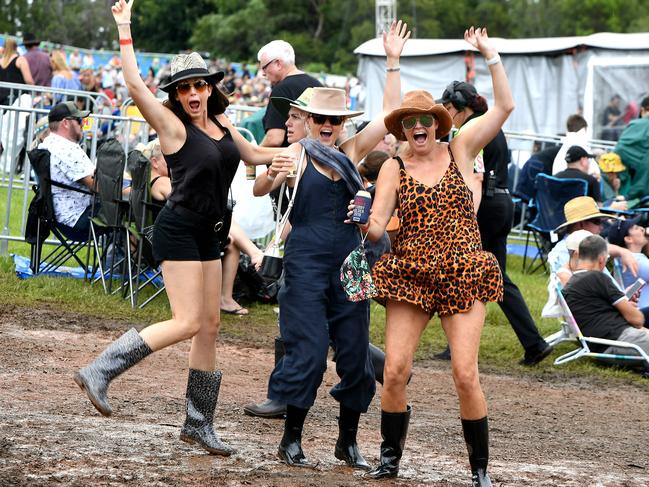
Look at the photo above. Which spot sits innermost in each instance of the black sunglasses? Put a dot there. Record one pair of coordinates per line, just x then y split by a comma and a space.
321, 119
185, 86
596, 221
263, 68
425, 120
78, 119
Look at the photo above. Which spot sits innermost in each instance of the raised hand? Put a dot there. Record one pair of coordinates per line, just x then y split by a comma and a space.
479, 39
122, 11
395, 38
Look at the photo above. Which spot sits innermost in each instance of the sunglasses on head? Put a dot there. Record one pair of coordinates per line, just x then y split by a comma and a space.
321, 119
185, 86
425, 120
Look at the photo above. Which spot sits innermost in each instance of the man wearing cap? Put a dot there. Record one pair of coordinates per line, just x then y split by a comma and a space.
69, 165
577, 162
582, 213
629, 235
39, 62
277, 62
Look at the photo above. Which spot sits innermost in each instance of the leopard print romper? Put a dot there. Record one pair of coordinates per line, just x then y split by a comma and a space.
437, 261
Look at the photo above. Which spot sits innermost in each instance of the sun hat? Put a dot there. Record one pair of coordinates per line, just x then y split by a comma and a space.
418, 101
284, 104
29, 40
574, 239
611, 162
620, 229
185, 66
328, 101
580, 209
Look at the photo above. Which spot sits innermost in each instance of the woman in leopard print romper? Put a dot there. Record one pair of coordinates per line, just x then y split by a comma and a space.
437, 264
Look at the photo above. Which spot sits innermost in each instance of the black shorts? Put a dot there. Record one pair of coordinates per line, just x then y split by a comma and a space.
180, 234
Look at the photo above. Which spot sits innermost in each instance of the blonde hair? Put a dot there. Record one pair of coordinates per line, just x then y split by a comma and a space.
11, 48
152, 149
58, 60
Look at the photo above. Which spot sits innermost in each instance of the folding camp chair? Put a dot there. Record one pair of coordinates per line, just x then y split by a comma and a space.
583, 350
41, 221
143, 270
552, 194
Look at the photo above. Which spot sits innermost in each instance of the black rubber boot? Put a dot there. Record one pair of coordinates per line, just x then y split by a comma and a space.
476, 435
201, 398
378, 361
119, 356
290, 448
394, 429
346, 446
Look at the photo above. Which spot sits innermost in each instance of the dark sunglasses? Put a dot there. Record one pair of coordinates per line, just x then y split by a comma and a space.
410, 122
596, 221
79, 120
321, 119
185, 86
263, 68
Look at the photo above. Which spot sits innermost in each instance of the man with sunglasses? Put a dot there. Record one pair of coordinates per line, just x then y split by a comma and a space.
277, 63
69, 165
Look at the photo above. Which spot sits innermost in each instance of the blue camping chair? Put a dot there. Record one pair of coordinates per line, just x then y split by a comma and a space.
552, 194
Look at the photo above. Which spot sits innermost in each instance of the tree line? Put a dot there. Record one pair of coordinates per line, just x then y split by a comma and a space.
323, 32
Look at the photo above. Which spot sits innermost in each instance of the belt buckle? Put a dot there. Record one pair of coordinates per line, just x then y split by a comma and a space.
218, 226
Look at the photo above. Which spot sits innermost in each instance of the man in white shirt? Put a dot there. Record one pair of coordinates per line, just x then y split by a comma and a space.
69, 165
576, 127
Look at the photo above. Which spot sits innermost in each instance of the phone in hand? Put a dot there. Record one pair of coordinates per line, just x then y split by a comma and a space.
635, 287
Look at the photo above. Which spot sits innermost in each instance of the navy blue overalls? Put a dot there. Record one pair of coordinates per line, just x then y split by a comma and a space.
313, 304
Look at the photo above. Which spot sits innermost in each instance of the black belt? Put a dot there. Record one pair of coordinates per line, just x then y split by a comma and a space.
499, 191
187, 213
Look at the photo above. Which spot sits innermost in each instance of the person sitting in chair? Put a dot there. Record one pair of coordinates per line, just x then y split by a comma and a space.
69, 165
600, 308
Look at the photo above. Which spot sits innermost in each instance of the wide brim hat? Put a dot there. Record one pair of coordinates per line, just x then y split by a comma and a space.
185, 66
328, 101
283, 104
580, 209
611, 162
30, 40
416, 102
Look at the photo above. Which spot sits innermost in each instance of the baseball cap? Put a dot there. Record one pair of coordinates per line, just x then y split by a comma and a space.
576, 152
66, 109
619, 230
466, 90
574, 239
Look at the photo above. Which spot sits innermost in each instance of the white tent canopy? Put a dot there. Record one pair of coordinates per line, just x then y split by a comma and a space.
548, 76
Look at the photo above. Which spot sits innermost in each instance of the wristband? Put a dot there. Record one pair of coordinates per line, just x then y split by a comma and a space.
125, 42
392, 70
493, 60
128, 22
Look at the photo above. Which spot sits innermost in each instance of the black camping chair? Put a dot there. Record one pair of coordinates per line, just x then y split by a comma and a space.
552, 194
41, 221
107, 227
144, 271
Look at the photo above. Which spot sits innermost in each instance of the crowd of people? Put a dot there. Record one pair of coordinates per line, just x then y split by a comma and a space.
437, 233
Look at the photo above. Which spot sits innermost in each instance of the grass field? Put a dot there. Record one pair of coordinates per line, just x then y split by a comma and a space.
500, 349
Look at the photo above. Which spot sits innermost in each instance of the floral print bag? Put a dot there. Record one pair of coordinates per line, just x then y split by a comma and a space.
355, 275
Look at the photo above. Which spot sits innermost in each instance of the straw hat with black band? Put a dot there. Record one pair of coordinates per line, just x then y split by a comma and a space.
580, 209
186, 66
414, 102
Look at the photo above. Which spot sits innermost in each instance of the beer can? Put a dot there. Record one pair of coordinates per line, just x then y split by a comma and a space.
362, 205
251, 172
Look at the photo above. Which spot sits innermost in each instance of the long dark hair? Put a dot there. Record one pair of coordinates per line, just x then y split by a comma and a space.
478, 104
216, 104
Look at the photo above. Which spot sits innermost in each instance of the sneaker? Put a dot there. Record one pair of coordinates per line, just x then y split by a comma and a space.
536, 357
444, 355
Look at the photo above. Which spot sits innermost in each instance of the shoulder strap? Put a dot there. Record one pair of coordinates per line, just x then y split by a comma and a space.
450, 153
400, 162
154, 180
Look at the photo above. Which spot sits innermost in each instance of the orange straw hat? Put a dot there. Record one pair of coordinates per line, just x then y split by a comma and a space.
419, 101
580, 209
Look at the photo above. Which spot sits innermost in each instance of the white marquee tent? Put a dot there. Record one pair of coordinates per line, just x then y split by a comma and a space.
551, 78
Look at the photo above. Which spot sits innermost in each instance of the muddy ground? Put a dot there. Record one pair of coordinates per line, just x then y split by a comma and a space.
543, 431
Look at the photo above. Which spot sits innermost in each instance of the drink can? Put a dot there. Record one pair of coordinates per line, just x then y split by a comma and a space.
251, 172
362, 205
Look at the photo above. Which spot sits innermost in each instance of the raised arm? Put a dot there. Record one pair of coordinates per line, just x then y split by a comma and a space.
358, 146
480, 131
251, 154
169, 127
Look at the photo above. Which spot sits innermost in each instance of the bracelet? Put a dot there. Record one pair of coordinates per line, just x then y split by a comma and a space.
125, 42
493, 60
270, 178
392, 70
128, 22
